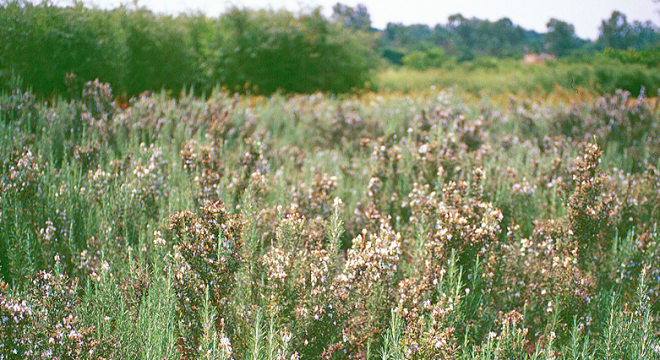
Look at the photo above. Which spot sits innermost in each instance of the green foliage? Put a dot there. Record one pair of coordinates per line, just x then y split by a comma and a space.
487, 75
649, 56
393, 55
157, 52
265, 51
560, 39
136, 50
633, 78
357, 18
617, 33
431, 57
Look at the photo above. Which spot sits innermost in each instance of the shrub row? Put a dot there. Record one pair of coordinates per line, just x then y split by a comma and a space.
136, 50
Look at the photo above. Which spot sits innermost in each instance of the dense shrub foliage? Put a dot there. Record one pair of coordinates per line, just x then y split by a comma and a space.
379, 226
135, 50
421, 60
649, 56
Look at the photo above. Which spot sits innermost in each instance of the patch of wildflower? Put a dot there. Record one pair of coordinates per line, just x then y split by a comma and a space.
97, 100
251, 161
615, 118
347, 126
134, 287
217, 113
19, 108
510, 341
207, 166
530, 274
278, 267
365, 286
101, 184
383, 189
429, 331
316, 198
15, 320
148, 184
298, 271
592, 211
471, 133
22, 175
463, 223
87, 157
47, 324
208, 253
90, 263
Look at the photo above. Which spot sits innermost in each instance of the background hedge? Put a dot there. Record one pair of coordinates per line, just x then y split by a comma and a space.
136, 50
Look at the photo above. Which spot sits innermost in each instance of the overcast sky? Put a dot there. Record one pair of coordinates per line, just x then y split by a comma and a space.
586, 15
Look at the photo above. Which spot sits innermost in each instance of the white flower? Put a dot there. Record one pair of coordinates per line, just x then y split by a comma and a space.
158, 239
423, 149
226, 344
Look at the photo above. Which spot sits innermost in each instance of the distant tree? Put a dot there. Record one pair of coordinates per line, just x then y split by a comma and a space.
464, 28
392, 31
465, 34
500, 38
560, 39
462, 38
406, 36
533, 41
356, 18
614, 31
617, 33
642, 35
504, 36
442, 37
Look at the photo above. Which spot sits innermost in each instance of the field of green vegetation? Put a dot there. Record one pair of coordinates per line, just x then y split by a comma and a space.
490, 76
271, 185
389, 226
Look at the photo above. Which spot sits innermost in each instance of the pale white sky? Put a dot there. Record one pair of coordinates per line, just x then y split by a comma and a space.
585, 15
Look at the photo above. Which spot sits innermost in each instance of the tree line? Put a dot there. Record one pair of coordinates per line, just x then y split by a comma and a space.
465, 38
135, 50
